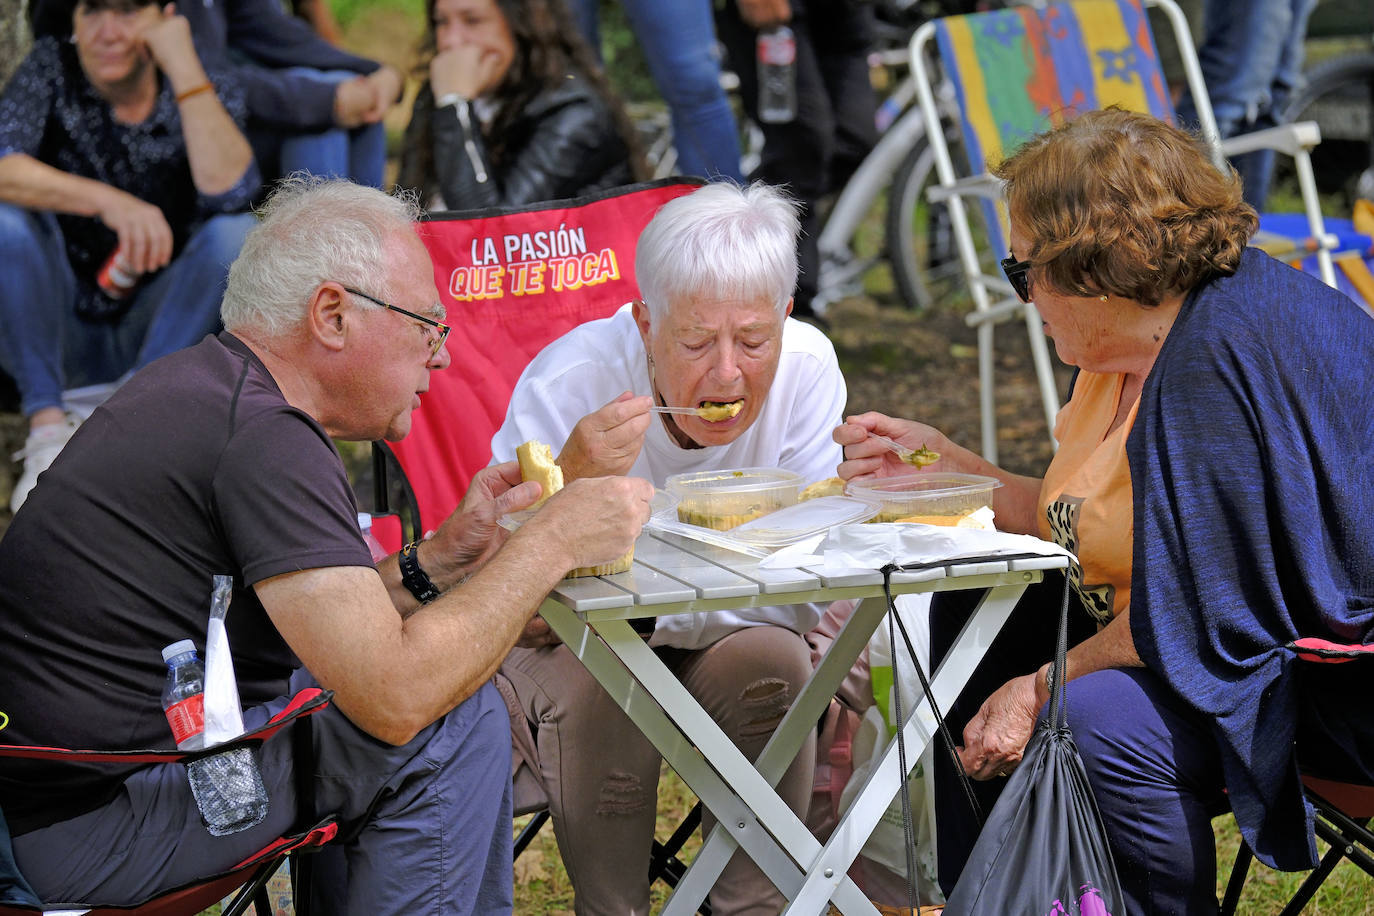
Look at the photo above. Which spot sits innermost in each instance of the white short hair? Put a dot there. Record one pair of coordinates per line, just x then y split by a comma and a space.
722, 240
312, 230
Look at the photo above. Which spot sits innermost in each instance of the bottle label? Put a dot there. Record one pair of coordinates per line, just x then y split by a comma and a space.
115, 278
777, 48
187, 717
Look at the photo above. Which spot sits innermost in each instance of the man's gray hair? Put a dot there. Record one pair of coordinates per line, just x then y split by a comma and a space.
313, 230
720, 241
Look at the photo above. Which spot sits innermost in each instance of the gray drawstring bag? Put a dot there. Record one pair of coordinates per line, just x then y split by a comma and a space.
1043, 850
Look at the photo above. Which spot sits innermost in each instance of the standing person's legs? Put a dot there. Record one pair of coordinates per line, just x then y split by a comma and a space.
1247, 46
796, 154
426, 826
588, 21
679, 42
1156, 774
843, 31
602, 778
747, 682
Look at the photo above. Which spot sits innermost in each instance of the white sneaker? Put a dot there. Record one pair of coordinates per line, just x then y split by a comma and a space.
39, 452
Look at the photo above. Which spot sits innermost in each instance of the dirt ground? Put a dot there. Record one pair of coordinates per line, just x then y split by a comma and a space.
895, 361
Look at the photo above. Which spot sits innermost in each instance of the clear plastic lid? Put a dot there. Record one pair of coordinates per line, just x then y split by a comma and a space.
180, 647
364, 521
801, 521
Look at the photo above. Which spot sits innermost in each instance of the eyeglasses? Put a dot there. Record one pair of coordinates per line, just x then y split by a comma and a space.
435, 344
1018, 275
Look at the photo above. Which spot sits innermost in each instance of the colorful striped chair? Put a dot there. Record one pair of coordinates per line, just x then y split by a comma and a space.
1013, 73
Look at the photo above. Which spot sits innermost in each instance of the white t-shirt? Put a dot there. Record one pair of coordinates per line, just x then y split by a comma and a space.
586, 368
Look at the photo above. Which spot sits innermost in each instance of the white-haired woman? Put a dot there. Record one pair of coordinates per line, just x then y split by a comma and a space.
716, 270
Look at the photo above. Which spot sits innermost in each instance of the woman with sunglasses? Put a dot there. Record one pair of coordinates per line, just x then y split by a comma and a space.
1213, 478
515, 110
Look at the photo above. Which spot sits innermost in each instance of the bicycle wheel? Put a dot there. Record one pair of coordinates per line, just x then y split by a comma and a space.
920, 242
1339, 96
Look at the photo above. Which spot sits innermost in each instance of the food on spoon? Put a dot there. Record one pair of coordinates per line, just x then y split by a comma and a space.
715, 411
921, 457
536, 463
831, 486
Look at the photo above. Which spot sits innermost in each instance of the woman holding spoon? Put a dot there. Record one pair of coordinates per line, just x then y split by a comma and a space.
744, 386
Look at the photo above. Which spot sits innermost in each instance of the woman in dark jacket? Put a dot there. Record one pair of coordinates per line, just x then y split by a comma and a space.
515, 110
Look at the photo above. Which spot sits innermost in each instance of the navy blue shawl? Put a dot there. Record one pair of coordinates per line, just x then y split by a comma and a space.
1252, 463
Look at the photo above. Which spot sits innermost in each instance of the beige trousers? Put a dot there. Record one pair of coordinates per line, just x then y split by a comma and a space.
602, 774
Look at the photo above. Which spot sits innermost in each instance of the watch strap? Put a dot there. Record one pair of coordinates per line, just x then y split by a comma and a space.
413, 577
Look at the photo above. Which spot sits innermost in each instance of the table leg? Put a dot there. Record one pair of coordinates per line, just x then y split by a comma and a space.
800, 720
772, 835
857, 823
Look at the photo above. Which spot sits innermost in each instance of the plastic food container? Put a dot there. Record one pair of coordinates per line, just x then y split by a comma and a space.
812, 516
935, 497
661, 506
724, 499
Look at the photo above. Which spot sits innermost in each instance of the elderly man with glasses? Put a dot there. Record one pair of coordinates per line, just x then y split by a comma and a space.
218, 460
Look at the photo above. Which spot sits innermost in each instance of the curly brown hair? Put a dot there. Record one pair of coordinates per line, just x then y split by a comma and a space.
1122, 203
548, 47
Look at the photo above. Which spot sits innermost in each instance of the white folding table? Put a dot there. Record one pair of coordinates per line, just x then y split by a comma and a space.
677, 575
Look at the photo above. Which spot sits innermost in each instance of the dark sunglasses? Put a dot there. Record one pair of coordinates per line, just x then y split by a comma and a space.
1018, 276
442, 329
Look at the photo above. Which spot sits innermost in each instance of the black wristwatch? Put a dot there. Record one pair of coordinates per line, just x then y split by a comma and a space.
413, 577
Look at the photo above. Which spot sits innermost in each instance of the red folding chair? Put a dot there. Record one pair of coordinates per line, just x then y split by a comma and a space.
513, 280
1343, 810
249, 876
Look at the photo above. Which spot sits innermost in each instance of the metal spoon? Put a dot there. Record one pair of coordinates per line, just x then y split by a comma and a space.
917, 458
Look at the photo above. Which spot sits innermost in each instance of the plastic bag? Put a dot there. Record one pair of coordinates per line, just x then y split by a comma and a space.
887, 844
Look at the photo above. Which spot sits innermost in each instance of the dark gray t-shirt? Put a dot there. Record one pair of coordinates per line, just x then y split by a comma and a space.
196, 467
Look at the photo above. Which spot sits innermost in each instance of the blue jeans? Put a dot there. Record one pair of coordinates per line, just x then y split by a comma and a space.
426, 826
358, 154
679, 44
1251, 56
47, 348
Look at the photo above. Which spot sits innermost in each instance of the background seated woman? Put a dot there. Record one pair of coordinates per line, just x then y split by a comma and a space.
716, 269
515, 110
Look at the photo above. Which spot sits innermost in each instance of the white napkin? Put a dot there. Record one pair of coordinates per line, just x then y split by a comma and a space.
873, 546
223, 715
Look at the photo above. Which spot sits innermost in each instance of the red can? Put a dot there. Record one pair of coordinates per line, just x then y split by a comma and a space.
116, 278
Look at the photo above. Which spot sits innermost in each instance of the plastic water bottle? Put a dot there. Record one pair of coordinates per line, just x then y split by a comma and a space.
374, 546
777, 72
227, 786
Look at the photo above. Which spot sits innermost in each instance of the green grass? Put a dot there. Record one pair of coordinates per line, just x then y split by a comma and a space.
1348, 891
348, 11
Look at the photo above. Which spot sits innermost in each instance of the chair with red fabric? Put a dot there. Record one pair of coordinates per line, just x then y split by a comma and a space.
249, 876
513, 280
1344, 810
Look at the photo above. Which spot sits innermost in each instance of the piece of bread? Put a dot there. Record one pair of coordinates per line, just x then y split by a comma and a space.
831, 486
536, 463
